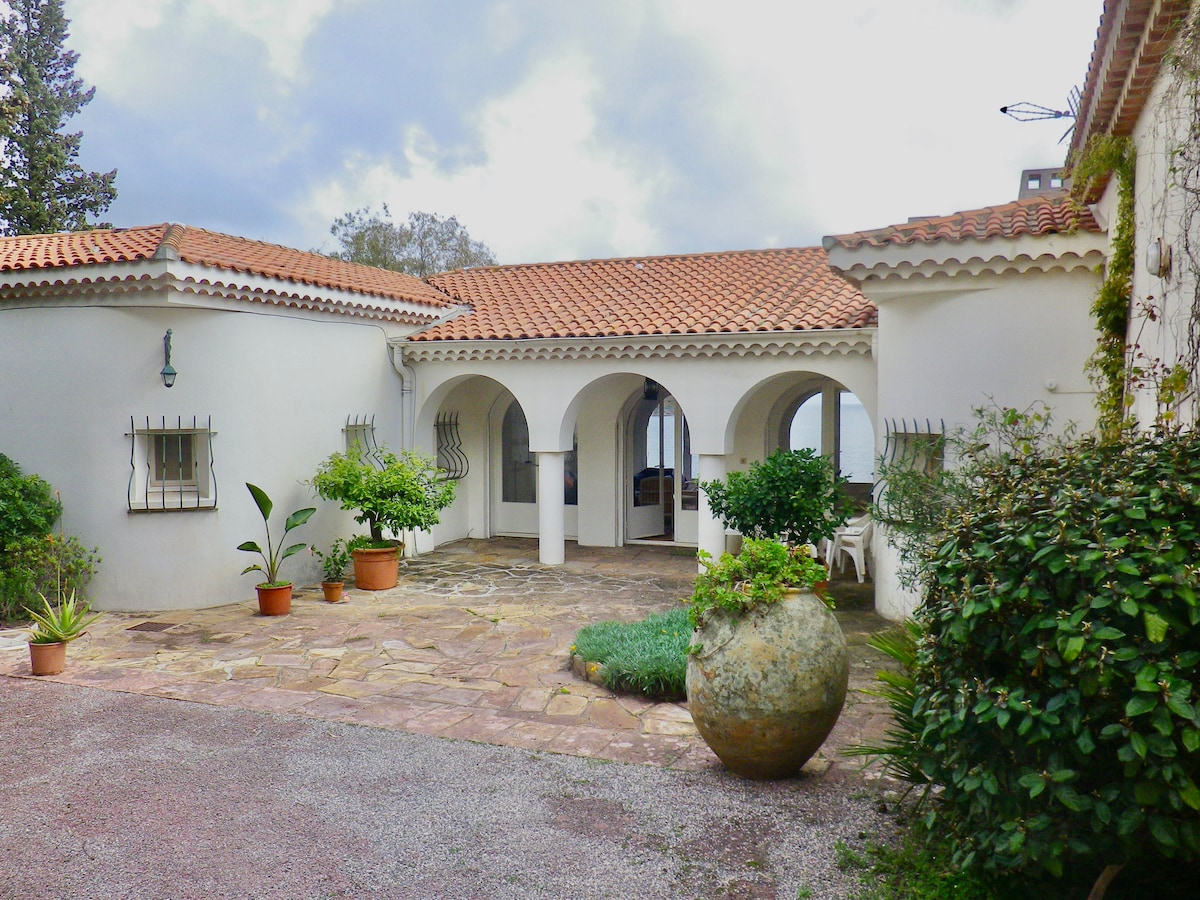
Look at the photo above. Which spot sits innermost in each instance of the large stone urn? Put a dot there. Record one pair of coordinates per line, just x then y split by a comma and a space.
766, 688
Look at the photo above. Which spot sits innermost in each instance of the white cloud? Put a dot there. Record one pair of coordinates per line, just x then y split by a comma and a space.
545, 189
109, 35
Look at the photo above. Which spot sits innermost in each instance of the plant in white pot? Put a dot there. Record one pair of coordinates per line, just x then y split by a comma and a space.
274, 593
392, 492
767, 667
54, 628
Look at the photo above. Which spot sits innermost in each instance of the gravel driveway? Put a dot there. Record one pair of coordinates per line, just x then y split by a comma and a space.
114, 795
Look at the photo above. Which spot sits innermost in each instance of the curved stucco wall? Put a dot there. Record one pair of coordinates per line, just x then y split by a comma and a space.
278, 390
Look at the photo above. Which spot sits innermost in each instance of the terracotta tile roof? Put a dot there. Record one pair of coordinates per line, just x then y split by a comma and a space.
743, 291
1035, 216
209, 248
1132, 41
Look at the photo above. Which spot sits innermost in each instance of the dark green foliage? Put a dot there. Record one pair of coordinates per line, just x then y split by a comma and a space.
28, 507
792, 495
761, 573
1056, 678
42, 187
918, 868
1108, 366
647, 657
50, 565
425, 245
404, 491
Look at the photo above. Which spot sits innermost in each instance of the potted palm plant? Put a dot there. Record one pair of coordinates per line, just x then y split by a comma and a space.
54, 628
392, 492
333, 569
767, 666
274, 594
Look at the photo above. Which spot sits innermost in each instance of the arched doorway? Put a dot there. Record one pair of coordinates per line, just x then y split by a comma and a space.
659, 470
833, 422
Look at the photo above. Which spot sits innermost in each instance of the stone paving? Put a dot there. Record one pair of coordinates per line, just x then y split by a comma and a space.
473, 644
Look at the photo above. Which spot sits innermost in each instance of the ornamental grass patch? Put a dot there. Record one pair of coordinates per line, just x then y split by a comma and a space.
647, 657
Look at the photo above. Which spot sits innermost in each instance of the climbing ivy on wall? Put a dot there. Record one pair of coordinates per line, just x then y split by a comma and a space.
1108, 367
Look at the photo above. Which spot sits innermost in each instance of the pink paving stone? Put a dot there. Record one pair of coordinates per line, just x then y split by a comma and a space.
582, 741
500, 698
226, 694
274, 699
479, 727
387, 713
416, 689
456, 696
342, 709
533, 699
530, 735
435, 721
604, 712
283, 659
323, 666
358, 689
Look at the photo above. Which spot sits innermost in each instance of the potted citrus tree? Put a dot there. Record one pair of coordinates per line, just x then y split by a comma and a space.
389, 492
792, 496
767, 666
274, 594
54, 628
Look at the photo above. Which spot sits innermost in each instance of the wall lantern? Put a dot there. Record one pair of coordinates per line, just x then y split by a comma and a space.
1158, 258
650, 390
168, 372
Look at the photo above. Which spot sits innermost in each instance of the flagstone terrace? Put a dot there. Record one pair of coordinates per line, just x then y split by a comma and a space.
473, 644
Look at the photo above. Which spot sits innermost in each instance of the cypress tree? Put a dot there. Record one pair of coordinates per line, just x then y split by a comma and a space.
42, 187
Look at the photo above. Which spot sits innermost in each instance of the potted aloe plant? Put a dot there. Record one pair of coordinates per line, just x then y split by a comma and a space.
333, 569
274, 594
767, 666
54, 628
393, 492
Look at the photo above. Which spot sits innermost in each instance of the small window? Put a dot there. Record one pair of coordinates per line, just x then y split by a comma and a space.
1034, 183
171, 465
1056, 181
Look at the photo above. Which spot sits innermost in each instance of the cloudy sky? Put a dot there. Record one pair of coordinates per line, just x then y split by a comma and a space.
568, 129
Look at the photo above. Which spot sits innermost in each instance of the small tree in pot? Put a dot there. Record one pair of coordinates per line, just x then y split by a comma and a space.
792, 496
399, 492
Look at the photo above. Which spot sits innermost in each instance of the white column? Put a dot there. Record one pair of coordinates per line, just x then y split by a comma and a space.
831, 424
551, 512
711, 535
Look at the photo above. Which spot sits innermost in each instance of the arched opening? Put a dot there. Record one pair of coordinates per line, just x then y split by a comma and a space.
833, 422
514, 511
660, 485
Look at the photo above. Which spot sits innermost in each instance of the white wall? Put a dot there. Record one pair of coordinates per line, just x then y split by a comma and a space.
278, 390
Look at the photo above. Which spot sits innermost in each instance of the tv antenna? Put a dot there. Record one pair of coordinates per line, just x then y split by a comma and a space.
1035, 112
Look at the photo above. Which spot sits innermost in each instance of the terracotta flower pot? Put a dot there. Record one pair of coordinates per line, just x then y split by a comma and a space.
48, 659
376, 569
766, 688
274, 601
333, 590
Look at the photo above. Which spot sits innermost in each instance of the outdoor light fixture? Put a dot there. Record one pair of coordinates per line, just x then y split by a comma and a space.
1158, 258
168, 372
650, 390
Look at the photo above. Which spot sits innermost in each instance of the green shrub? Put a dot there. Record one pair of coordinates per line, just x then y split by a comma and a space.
647, 657
1056, 676
28, 507
52, 566
760, 574
792, 495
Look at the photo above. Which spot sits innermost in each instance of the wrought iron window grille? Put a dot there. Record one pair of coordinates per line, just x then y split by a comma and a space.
450, 455
360, 429
171, 465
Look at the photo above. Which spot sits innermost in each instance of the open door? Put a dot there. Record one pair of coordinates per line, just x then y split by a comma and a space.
661, 500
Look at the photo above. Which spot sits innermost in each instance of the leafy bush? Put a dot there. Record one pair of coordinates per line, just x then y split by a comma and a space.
52, 566
647, 657
28, 507
761, 573
1056, 676
406, 490
792, 494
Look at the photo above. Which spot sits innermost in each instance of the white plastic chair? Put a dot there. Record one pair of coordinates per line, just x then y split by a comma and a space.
851, 540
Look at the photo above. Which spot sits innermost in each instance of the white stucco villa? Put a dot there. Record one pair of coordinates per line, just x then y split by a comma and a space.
574, 401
